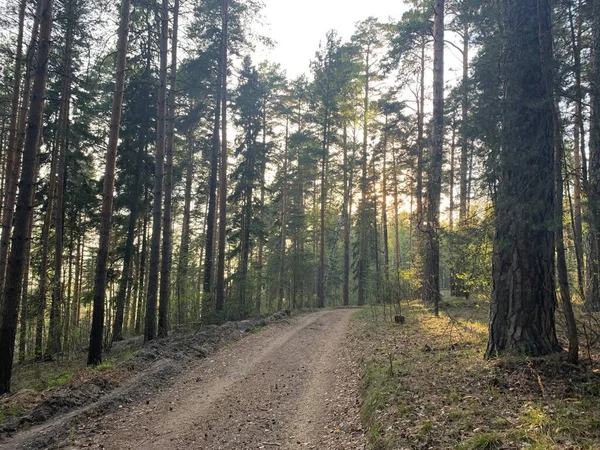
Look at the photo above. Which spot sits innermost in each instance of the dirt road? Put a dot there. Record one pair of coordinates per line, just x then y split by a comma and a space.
291, 386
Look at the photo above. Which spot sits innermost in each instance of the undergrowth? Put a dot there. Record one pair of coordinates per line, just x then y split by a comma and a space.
426, 385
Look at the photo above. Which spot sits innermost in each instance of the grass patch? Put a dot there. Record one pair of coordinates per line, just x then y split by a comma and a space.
104, 366
60, 380
426, 385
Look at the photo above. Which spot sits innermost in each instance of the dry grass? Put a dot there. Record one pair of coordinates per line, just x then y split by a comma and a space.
439, 392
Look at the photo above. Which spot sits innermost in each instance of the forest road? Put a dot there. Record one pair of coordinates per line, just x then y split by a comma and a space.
291, 386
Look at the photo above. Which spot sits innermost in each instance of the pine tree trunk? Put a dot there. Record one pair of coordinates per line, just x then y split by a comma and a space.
209, 249
184, 256
117, 334
561, 259
324, 166
523, 290
97, 326
420, 136
153, 274
452, 174
362, 257
464, 149
167, 250
384, 216
16, 262
346, 212
431, 276
142, 275
220, 288
13, 154
578, 148
54, 332
43, 282
284, 214
25, 294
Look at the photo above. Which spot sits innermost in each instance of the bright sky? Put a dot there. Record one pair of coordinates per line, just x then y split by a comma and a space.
298, 27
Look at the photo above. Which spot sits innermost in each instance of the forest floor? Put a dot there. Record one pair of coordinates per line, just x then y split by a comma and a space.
337, 379
426, 385
294, 384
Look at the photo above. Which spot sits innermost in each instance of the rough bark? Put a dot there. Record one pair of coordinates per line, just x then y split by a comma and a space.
523, 288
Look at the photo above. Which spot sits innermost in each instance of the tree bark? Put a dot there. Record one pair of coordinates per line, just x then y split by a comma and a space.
153, 274
464, 148
346, 212
12, 155
593, 184
97, 328
16, 262
184, 256
167, 249
284, 214
54, 332
220, 288
431, 276
362, 257
43, 282
523, 288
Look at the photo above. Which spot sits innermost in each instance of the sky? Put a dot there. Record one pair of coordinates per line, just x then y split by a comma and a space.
298, 27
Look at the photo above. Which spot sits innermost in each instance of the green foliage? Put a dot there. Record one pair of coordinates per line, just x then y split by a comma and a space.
483, 441
467, 252
60, 380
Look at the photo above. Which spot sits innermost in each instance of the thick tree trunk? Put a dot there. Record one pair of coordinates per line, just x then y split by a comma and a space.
431, 276
153, 275
167, 250
523, 288
16, 262
97, 328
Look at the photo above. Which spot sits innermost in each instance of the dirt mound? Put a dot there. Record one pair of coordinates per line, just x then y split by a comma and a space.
92, 393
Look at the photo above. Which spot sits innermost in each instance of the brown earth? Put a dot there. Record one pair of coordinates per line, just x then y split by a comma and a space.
291, 386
